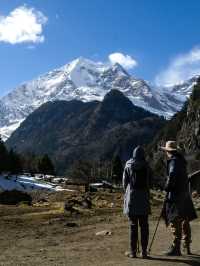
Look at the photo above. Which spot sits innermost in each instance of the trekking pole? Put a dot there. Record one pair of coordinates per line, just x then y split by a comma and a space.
155, 233
138, 246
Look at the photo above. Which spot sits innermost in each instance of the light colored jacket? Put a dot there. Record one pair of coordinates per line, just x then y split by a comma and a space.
136, 184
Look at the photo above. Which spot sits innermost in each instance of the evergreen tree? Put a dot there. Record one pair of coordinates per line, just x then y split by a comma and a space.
117, 169
196, 91
80, 170
4, 163
30, 162
45, 166
15, 164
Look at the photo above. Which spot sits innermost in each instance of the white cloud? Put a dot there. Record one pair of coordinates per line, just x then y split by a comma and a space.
23, 24
181, 68
125, 60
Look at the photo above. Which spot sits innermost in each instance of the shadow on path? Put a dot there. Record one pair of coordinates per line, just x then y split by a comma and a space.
193, 260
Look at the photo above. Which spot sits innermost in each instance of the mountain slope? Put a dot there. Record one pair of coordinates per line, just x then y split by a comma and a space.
184, 127
74, 130
87, 81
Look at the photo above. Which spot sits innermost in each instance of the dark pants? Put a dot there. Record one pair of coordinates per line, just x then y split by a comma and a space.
144, 229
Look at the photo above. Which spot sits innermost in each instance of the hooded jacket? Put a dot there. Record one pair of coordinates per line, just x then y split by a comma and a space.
136, 184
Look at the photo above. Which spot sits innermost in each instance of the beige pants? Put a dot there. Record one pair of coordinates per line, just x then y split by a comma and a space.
181, 230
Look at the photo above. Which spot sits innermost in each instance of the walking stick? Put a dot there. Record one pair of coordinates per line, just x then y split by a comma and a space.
161, 215
155, 233
138, 246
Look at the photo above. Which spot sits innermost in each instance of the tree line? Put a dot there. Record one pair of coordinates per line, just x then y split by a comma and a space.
14, 163
92, 171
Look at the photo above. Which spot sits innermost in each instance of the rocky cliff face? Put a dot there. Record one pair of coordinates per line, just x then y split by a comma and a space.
184, 127
189, 134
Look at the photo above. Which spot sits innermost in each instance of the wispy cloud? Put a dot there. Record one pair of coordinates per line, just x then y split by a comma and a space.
125, 60
23, 24
181, 68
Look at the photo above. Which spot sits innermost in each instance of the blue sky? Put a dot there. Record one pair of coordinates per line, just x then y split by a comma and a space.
160, 37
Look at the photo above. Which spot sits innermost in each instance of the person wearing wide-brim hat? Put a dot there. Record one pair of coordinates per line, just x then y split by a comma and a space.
170, 146
179, 209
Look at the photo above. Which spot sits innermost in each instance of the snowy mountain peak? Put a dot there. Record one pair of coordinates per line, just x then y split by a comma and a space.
85, 80
84, 72
82, 62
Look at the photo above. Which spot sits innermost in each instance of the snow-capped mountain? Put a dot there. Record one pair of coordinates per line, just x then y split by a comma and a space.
85, 80
181, 91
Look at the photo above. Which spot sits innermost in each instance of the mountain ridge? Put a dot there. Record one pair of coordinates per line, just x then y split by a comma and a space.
184, 128
72, 130
85, 80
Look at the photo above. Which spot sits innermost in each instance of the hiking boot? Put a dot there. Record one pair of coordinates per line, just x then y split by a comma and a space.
130, 254
144, 255
186, 249
173, 251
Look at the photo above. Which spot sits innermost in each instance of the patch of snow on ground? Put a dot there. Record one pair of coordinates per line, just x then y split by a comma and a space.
26, 184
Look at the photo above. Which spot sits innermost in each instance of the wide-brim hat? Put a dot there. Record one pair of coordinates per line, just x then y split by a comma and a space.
170, 146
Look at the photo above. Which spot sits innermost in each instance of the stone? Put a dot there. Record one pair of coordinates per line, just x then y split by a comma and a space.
104, 233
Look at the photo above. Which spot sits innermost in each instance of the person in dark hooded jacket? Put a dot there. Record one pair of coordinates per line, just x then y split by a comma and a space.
178, 209
136, 184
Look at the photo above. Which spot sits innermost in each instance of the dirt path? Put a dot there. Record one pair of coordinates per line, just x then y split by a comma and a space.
51, 242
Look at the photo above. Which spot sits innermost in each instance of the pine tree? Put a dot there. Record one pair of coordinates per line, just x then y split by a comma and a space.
15, 164
4, 163
30, 162
82, 170
195, 96
45, 166
117, 169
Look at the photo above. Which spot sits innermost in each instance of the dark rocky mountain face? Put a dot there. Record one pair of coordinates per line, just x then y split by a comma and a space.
74, 130
184, 127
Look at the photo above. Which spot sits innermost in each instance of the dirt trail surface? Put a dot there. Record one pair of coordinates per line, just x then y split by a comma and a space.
49, 237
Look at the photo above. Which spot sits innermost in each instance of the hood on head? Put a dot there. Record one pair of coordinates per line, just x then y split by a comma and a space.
138, 154
138, 158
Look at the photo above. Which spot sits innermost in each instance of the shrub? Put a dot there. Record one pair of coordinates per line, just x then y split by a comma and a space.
14, 197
